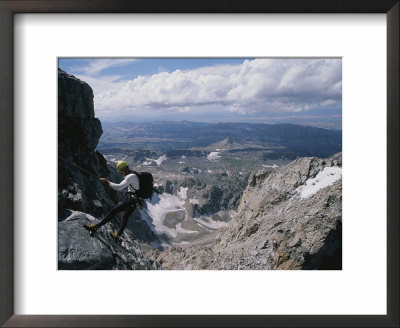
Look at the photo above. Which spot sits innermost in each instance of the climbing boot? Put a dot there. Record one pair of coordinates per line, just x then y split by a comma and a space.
114, 236
91, 227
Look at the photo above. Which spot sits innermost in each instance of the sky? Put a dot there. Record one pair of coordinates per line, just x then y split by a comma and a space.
305, 91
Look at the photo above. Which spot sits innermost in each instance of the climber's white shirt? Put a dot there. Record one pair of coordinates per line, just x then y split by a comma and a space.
131, 181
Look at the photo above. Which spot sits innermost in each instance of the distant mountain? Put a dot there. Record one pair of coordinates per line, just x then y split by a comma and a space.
167, 135
180, 130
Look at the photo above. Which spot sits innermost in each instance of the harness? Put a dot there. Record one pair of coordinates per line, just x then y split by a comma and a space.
133, 198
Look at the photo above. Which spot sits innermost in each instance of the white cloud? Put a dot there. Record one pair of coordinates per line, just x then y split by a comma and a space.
95, 66
102, 84
255, 86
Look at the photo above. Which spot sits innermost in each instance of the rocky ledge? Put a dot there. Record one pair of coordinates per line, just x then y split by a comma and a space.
77, 250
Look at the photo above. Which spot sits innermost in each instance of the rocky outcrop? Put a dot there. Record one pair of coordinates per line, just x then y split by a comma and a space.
79, 189
210, 194
78, 161
287, 219
78, 251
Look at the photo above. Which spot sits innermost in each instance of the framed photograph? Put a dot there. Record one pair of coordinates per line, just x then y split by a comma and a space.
192, 152
206, 115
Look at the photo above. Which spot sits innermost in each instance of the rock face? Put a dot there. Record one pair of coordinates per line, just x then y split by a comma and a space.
79, 189
211, 195
287, 219
78, 135
78, 251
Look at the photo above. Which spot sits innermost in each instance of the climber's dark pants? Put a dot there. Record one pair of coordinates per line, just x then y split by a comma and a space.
128, 207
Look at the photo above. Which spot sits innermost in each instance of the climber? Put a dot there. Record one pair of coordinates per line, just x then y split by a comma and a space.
132, 182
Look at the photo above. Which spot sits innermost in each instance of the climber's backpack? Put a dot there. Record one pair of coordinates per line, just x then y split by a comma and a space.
145, 185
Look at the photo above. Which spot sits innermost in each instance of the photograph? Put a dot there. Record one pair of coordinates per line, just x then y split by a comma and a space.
199, 163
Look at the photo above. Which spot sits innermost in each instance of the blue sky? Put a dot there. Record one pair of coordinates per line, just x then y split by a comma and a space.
301, 91
132, 68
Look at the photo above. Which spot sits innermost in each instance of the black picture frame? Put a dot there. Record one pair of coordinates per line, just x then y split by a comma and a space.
10, 7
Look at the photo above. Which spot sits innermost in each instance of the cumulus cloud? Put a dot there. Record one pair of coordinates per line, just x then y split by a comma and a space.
253, 87
102, 84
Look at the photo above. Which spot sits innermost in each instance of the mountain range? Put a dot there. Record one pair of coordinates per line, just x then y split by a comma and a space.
172, 135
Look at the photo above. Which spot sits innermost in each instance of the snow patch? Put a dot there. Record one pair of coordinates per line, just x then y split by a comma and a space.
157, 212
161, 159
213, 156
182, 193
206, 221
327, 177
179, 229
111, 158
159, 208
273, 166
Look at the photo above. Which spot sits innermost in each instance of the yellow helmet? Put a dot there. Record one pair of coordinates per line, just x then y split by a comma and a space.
121, 165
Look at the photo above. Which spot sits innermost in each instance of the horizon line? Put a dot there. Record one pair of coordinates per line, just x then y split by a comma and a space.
215, 122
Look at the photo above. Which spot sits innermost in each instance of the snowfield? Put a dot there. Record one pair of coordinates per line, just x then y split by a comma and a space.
327, 177
272, 166
157, 211
161, 159
213, 156
182, 193
166, 213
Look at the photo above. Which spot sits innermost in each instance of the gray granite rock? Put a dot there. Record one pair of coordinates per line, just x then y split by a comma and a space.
77, 250
276, 228
78, 161
79, 188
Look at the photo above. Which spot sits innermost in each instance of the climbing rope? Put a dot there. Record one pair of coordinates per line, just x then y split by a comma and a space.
128, 194
79, 167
